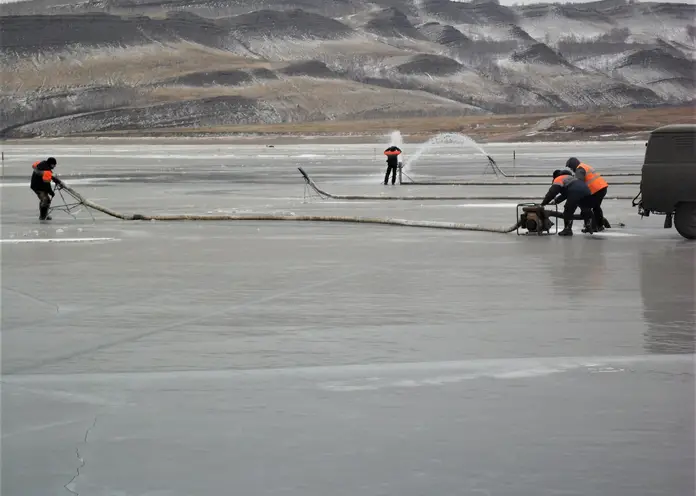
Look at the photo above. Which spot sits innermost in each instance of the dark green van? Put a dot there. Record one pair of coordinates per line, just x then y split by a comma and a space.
668, 183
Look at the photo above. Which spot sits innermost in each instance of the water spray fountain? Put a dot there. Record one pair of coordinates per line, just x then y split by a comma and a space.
467, 141
442, 139
395, 139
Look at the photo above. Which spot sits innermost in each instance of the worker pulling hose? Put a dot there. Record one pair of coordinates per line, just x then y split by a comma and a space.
275, 217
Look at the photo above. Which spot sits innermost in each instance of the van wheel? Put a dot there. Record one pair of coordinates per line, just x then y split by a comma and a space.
685, 219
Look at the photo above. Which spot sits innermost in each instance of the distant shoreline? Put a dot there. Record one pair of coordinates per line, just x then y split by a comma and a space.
270, 139
609, 125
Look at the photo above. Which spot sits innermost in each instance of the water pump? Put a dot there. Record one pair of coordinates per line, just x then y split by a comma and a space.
534, 219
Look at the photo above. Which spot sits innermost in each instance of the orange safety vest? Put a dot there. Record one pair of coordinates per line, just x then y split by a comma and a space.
592, 178
46, 175
392, 153
564, 180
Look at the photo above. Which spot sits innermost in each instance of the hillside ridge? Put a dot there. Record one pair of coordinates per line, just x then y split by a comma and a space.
98, 64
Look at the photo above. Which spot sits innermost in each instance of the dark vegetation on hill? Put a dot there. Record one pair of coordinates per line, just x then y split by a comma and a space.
109, 64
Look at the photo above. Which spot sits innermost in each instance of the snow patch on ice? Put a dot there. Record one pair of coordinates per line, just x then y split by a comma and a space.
475, 205
374, 383
56, 240
25, 184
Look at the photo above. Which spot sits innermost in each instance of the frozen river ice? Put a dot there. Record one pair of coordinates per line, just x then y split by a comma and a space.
262, 358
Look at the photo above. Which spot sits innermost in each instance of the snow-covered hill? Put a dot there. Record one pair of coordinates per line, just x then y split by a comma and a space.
72, 66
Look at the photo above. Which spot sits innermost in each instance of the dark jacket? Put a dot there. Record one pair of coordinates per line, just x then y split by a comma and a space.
392, 154
41, 177
566, 186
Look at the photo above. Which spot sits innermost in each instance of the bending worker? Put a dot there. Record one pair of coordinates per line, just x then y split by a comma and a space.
392, 154
41, 178
598, 188
578, 195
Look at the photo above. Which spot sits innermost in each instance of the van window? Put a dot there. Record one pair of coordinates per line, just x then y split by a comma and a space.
676, 148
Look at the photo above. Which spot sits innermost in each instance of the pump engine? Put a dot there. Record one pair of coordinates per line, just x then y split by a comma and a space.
534, 219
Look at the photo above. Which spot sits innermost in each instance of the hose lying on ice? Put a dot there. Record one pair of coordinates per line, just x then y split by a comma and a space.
324, 194
559, 214
606, 174
496, 168
276, 217
491, 183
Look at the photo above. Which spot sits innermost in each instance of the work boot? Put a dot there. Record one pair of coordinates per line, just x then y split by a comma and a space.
589, 224
567, 228
593, 228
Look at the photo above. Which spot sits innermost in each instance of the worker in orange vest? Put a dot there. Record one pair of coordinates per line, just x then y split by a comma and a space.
41, 177
598, 188
565, 186
392, 154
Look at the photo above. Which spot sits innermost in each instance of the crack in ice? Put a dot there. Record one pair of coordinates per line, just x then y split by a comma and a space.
71, 482
32, 297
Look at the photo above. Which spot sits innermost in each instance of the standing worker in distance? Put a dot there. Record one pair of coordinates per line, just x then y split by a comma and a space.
578, 195
598, 188
41, 177
393, 162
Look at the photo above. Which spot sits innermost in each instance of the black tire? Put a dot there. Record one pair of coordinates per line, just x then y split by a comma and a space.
685, 219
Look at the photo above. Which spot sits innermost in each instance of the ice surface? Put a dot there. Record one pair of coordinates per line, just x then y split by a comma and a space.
313, 359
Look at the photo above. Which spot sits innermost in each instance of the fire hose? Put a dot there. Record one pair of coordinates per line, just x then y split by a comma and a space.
278, 217
325, 194
540, 211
